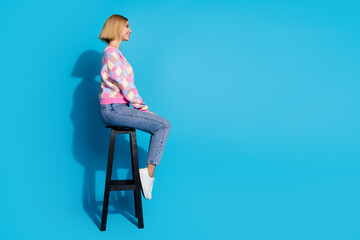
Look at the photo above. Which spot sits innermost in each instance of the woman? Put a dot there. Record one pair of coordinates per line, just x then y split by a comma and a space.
118, 89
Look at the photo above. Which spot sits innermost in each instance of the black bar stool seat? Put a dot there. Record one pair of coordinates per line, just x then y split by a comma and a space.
121, 185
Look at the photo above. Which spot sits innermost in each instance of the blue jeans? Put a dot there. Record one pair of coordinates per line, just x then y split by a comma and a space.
119, 114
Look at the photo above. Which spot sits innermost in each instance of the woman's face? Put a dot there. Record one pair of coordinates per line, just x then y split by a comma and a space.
126, 32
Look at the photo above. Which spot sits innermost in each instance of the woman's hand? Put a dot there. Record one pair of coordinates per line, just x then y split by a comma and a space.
152, 112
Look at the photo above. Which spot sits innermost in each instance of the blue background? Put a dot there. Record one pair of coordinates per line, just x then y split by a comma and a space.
263, 98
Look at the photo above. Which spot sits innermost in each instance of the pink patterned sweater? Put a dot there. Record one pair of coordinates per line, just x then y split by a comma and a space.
117, 80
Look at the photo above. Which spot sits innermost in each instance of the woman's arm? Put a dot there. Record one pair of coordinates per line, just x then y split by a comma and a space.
128, 88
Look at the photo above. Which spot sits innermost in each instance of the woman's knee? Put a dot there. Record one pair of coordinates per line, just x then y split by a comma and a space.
166, 123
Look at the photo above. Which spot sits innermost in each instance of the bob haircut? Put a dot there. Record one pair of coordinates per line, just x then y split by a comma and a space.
112, 28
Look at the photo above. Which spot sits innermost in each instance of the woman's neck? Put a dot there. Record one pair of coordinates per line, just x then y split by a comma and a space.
115, 44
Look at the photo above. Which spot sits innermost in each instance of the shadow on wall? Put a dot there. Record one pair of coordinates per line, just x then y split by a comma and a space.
91, 143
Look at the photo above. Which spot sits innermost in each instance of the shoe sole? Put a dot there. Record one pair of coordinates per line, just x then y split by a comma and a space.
141, 187
142, 191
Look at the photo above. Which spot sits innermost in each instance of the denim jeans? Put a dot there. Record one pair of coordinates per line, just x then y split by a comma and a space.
120, 114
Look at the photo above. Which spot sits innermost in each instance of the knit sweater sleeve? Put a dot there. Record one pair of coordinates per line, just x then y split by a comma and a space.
118, 73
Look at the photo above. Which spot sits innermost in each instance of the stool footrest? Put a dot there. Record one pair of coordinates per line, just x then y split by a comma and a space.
119, 185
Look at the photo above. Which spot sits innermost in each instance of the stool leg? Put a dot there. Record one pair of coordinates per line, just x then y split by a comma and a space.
133, 178
108, 181
136, 214
133, 173
136, 176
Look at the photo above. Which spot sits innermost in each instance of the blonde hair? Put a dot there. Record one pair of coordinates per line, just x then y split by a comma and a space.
112, 28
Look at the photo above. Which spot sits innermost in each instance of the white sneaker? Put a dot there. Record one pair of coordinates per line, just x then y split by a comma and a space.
151, 187
146, 183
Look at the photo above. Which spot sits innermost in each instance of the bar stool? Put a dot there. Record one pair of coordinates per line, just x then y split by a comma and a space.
120, 185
